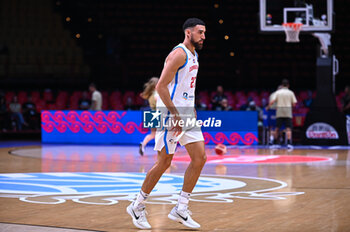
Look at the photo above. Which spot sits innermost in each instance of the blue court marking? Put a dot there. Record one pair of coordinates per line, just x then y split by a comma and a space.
75, 183
19, 143
17, 186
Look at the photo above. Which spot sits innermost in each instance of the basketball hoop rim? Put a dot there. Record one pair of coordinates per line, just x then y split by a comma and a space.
294, 26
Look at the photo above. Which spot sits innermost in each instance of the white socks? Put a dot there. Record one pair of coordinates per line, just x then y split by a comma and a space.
141, 198
183, 200
182, 203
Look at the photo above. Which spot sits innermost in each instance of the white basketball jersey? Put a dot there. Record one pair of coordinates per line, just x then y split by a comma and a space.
182, 87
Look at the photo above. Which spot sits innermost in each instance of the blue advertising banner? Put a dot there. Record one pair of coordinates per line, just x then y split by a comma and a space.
126, 127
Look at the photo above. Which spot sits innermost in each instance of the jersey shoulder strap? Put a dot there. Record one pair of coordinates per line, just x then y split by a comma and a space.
183, 48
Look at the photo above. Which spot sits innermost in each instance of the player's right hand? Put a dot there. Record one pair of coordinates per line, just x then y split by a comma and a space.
177, 129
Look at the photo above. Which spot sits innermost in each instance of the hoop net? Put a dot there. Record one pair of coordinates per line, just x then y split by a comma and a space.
292, 31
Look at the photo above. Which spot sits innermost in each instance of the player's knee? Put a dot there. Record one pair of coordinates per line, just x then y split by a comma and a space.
165, 163
204, 159
200, 160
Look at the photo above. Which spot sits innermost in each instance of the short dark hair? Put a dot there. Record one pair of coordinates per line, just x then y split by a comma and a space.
285, 82
192, 22
92, 85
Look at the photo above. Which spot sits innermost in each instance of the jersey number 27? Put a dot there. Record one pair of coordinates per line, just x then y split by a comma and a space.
193, 79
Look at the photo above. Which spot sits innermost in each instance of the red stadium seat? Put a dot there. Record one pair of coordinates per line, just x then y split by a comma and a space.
9, 96
61, 103
115, 99
232, 103
22, 97
48, 96
303, 95
257, 101
76, 95
35, 95
139, 101
51, 106
40, 105
265, 94
62, 95
240, 94
206, 100
115, 95
252, 94
105, 100
105, 105
117, 106
203, 93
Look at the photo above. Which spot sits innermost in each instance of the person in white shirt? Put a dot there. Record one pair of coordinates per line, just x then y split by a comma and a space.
271, 111
285, 100
96, 100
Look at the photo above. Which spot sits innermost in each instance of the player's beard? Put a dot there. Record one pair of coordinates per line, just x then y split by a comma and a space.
196, 45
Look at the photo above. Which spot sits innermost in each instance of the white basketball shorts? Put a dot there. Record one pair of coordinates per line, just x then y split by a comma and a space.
169, 140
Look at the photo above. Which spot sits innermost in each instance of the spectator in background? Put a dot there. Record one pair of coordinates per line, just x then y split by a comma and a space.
346, 100
216, 100
253, 107
84, 101
285, 100
30, 114
245, 106
96, 103
264, 102
273, 106
271, 116
308, 101
129, 104
3, 114
16, 114
199, 104
29, 107
224, 106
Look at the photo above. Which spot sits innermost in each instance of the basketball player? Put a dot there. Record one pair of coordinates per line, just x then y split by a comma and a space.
176, 88
149, 93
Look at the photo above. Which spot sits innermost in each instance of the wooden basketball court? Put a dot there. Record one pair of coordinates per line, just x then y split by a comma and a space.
247, 189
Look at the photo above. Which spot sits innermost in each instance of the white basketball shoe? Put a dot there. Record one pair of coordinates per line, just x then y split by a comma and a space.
138, 216
183, 217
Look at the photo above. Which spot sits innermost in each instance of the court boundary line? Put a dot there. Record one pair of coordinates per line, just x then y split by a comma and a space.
57, 227
321, 188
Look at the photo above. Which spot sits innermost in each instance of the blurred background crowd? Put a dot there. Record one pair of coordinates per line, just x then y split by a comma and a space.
51, 50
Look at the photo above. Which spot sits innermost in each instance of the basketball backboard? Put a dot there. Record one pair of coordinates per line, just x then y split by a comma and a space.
315, 15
